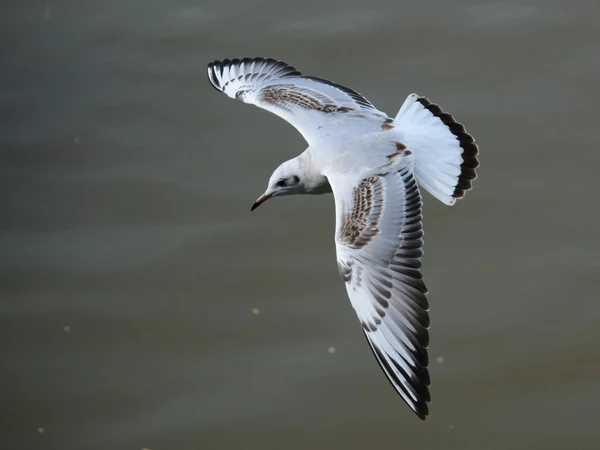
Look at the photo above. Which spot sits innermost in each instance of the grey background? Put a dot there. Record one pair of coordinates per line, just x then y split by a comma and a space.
126, 184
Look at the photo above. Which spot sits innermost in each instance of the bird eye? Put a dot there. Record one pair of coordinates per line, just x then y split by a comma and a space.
281, 182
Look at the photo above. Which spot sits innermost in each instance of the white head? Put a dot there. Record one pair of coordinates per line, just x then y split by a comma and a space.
291, 177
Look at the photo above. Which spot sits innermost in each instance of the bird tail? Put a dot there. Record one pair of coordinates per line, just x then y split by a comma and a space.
445, 154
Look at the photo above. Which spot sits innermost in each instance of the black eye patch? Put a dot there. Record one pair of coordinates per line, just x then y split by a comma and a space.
296, 179
281, 182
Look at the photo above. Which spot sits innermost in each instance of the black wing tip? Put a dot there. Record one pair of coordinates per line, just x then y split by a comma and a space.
467, 143
270, 63
218, 66
423, 412
212, 68
420, 406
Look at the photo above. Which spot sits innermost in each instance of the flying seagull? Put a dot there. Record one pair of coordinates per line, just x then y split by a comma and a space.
374, 165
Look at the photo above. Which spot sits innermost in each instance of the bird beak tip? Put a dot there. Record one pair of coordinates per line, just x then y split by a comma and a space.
259, 201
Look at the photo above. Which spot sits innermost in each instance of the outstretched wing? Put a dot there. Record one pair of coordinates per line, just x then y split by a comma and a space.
379, 238
308, 103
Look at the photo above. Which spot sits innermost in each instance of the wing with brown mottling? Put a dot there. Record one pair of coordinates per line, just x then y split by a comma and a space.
379, 238
312, 105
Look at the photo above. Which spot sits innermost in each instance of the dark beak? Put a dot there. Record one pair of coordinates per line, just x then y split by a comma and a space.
263, 198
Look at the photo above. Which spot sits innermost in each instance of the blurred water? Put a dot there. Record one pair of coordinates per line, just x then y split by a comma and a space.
130, 263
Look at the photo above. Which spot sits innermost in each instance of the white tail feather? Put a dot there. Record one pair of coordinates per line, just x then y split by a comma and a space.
445, 154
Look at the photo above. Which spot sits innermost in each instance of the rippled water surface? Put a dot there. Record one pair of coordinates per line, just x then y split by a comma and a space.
143, 306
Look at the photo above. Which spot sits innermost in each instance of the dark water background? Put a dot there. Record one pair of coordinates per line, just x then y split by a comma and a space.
130, 263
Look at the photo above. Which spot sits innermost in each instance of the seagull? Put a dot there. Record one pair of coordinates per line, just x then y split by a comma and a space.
374, 164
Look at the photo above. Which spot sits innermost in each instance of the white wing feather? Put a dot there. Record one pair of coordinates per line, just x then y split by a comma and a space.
310, 104
379, 238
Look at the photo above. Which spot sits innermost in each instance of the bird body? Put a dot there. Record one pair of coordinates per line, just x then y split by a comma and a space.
374, 165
